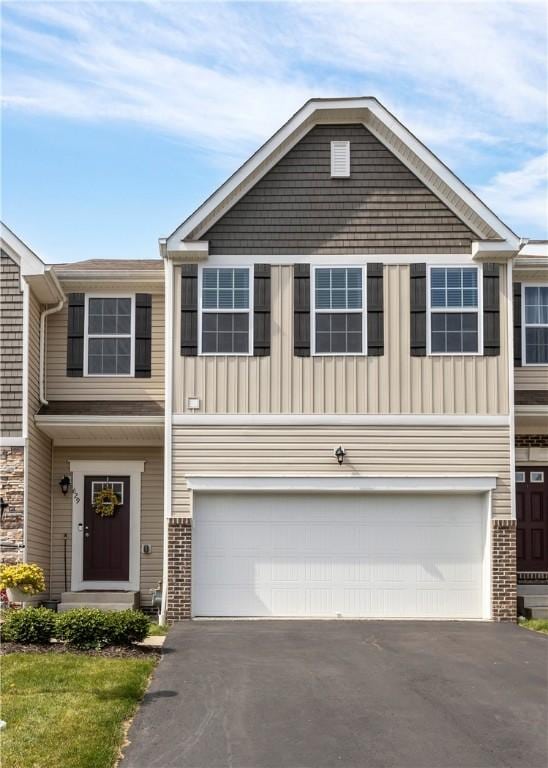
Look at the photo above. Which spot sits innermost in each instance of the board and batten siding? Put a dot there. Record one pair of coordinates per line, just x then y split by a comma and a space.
152, 512
38, 460
392, 384
370, 451
298, 208
11, 348
61, 387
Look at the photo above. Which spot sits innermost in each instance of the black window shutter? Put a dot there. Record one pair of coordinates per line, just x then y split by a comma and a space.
491, 310
261, 310
301, 310
517, 325
418, 310
375, 310
75, 334
189, 310
143, 335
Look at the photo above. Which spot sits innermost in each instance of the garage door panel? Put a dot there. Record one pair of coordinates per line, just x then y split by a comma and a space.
297, 555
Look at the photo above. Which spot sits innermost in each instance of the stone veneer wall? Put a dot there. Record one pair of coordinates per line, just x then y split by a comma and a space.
504, 586
179, 569
504, 577
12, 491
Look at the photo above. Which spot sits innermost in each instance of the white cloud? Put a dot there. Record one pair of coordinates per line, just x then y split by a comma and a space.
520, 197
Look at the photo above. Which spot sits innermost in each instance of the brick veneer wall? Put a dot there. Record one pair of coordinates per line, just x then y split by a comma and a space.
534, 441
12, 491
504, 587
179, 547
11, 347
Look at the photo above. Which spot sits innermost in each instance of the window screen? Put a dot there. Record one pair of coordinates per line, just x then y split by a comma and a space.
225, 310
454, 310
109, 340
535, 306
338, 309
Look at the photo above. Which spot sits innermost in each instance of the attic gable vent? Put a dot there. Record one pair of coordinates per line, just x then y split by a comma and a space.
340, 159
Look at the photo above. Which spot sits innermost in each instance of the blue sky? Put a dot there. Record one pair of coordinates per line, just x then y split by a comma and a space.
119, 118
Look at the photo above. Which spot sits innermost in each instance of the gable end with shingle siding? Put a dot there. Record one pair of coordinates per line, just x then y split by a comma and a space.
11, 348
298, 208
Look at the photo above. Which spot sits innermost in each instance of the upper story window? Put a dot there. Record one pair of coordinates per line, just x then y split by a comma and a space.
109, 336
535, 324
338, 311
454, 311
225, 317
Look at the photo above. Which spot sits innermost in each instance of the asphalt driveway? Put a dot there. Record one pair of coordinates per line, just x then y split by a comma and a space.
360, 694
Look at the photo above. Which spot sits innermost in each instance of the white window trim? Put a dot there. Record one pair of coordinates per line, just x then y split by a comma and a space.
525, 325
131, 373
345, 173
229, 311
454, 310
313, 310
79, 470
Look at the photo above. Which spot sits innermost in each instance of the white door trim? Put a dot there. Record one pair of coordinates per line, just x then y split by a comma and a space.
79, 470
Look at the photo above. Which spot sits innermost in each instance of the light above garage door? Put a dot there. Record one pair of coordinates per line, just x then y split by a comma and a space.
330, 555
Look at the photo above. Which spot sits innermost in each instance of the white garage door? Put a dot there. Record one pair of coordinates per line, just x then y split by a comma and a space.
327, 555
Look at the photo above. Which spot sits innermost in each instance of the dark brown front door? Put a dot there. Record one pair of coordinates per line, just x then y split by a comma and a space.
532, 518
106, 539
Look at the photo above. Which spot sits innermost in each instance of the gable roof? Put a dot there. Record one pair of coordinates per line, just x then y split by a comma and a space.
377, 119
32, 269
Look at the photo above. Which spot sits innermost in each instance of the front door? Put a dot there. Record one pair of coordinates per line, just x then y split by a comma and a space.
532, 518
106, 539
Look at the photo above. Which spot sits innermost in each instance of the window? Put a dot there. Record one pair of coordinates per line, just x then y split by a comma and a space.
99, 485
109, 331
520, 477
454, 299
225, 311
338, 311
340, 159
537, 477
535, 324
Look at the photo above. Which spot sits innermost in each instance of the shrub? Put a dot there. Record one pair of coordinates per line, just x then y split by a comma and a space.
28, 625
84, 628
27, 577
126, 627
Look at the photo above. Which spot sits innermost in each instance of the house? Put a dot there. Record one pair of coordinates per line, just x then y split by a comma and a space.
305, 408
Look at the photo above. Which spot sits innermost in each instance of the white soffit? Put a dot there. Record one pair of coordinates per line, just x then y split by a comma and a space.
395, 136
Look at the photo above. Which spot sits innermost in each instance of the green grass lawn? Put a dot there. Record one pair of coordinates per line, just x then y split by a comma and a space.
68, 710
157, 629
538, 625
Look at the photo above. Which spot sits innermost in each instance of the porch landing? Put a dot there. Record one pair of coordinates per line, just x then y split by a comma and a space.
107, 600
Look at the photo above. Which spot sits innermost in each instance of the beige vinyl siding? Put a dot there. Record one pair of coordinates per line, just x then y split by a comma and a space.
38, 459
62, 387
152, 511
394, 383
299, 451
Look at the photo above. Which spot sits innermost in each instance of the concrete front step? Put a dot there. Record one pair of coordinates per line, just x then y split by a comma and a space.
107, 600
532, 589
533, 601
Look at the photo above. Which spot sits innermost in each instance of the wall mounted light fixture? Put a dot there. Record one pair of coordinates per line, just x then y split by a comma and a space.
340, 454
64, 483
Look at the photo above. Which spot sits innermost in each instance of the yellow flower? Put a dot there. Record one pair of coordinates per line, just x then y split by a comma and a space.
28, 577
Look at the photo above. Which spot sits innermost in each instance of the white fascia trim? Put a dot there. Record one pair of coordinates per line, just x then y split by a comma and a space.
310, 114
193, 250
336, 420
350, 259
117, 275
107, 467
335, 484
531, 410
96, 421
12, 442
489, 249
29, 263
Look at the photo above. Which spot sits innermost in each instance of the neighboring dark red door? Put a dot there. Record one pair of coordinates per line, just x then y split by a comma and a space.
106, 539
532, 518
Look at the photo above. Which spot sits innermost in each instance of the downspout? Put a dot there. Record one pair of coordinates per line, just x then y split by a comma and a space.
168, 408
57, 308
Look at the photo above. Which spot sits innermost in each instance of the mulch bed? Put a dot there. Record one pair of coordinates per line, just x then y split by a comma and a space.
113, 651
